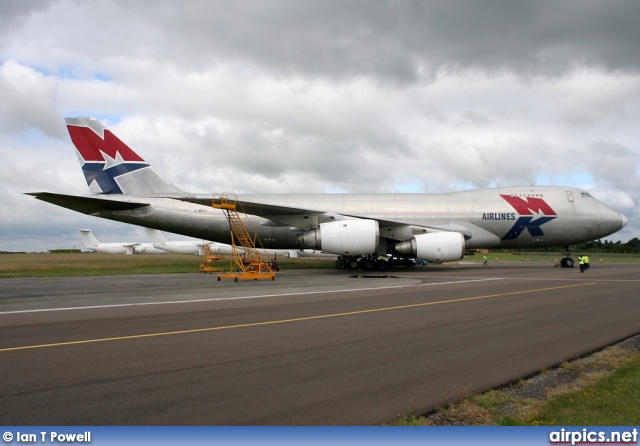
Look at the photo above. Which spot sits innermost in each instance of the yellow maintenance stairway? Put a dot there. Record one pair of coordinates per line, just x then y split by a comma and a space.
247, 265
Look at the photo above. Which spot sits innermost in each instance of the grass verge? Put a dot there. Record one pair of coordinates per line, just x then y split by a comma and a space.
602, 389
611, 401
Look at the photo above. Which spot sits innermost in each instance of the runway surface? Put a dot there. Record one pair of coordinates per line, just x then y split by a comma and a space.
318, 347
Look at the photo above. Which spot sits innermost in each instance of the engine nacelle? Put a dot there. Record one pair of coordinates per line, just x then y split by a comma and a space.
344, 237
434, 247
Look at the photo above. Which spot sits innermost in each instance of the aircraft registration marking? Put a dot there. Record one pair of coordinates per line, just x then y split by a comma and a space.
284, 321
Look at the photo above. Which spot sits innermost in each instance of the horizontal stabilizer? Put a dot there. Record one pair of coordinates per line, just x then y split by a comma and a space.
86, 205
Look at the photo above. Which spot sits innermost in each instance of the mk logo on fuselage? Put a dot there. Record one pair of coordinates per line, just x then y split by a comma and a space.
533, 213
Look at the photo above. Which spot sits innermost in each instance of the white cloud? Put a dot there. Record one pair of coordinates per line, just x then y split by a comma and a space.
27, 100
323, 96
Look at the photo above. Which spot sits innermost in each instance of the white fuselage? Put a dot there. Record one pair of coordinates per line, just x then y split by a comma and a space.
541, 217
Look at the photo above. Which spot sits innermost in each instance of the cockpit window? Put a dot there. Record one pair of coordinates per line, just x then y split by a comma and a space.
586, 194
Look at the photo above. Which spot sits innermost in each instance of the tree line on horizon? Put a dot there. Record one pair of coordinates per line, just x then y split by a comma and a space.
606, 246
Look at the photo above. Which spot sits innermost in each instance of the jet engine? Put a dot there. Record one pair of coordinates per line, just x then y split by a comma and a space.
434, 247
344, 237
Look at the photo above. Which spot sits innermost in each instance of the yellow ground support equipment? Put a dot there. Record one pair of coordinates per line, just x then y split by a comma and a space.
207, 260
247, 265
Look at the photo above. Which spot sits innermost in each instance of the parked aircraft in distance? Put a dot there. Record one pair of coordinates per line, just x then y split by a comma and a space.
159, 241
197, 247
94, 244
362, 229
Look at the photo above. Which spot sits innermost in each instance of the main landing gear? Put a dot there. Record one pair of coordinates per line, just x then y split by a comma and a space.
371, 262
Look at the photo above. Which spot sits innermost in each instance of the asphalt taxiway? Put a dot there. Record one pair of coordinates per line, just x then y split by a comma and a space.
318, 347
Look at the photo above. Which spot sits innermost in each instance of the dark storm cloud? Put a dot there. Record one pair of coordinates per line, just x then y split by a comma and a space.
397, 41
14, 12
403, 40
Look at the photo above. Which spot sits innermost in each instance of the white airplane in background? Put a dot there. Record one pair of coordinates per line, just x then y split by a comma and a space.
91, 242
196, 247
362, 229
160, 241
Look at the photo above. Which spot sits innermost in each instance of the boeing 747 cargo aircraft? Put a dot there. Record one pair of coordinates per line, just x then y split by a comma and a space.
361, 229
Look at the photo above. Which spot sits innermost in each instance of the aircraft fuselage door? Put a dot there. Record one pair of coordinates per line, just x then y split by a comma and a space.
570, 196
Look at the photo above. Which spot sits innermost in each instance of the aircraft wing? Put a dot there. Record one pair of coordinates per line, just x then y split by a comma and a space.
86, 205
247, 207
308, 218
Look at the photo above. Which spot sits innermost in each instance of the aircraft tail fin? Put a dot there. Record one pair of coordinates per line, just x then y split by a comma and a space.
155, 236
88, 238
112, 167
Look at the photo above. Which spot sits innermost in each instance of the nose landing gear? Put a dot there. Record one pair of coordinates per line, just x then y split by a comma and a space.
567, 261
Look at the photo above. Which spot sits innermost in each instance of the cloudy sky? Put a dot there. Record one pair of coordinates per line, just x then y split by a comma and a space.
318, 96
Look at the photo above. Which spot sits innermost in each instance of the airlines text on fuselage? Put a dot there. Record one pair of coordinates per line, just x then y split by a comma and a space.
498, 216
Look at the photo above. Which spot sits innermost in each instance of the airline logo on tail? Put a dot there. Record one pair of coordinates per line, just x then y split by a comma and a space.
103, 156
534, 212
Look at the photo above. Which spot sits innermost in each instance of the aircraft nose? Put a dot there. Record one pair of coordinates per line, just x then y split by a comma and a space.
612, 219
616, 219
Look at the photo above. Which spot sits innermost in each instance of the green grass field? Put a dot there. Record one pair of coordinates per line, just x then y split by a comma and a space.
34, 265
88, 264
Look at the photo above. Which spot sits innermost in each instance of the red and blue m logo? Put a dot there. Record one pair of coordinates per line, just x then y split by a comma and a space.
105, 158
534, 212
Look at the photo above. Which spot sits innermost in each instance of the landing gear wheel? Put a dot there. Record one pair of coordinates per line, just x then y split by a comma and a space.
567, 262
366, 264
353, 264
341, 264
382, 265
